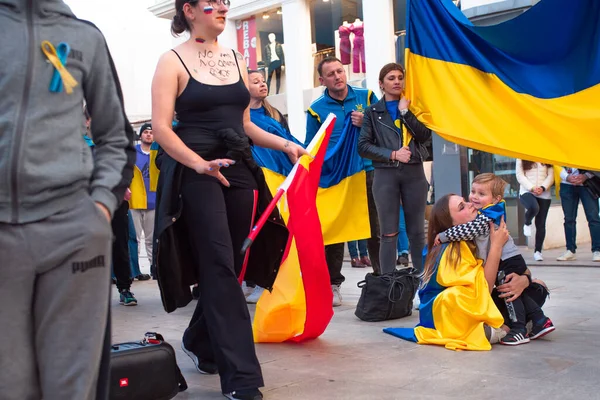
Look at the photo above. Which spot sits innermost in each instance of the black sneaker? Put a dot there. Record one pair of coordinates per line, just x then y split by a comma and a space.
542, 329
402, 260
514, 338
204, 367
126, 298
143, 277
245, 394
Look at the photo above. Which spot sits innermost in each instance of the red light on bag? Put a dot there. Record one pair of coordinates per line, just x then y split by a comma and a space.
124, 382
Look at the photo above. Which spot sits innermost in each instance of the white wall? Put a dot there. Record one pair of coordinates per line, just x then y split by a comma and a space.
136, 39
555, 233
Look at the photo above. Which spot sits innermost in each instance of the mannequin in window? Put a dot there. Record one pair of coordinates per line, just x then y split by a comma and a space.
358, 52
345, 47
275, 60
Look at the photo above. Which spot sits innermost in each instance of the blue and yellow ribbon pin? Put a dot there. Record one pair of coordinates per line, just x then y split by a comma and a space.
58, 58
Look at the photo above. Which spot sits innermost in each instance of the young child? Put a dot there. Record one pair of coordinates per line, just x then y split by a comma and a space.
486, 195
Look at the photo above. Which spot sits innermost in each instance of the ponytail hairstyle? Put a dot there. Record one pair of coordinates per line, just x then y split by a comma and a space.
179, 24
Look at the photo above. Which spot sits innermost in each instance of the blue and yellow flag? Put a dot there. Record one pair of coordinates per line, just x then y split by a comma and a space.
455, 304
342, 194
526, 88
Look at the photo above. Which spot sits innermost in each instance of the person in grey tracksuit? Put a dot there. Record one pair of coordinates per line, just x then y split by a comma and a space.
55, 203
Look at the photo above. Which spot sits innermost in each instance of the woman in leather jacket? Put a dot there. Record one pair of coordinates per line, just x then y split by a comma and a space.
394, 139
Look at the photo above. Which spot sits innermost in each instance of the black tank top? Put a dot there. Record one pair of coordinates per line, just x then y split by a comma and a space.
203, 109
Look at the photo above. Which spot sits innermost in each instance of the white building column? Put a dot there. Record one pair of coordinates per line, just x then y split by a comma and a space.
380, 46
298, 61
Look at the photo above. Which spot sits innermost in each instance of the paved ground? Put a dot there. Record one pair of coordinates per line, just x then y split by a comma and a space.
356, 360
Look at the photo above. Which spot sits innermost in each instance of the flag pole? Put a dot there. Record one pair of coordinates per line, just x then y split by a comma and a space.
285, 186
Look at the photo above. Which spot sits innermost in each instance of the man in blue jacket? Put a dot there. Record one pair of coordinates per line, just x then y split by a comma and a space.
340, 99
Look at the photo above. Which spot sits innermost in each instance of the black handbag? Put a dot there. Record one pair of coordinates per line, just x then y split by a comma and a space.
387, 296
145, 370
593, 185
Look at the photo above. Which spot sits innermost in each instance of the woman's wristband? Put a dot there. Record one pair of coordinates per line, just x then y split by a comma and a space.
543, 188
528, 278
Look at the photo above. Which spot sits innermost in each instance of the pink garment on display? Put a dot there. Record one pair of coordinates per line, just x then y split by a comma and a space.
345, 48
358, 52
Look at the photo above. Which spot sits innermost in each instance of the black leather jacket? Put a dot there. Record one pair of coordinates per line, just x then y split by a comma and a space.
379, 137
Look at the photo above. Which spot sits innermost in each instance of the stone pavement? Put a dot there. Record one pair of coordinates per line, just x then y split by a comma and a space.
356, 360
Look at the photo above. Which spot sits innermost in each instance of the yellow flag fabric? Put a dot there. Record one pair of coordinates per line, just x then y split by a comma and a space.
496, 89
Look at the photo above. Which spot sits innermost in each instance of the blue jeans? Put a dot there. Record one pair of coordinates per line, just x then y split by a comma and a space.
402, 237
570, 196
362, 248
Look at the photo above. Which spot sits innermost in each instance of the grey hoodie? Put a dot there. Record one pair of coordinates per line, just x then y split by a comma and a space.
45, 164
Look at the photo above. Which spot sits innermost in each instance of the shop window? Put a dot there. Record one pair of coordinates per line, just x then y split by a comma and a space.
261, 41
337, 30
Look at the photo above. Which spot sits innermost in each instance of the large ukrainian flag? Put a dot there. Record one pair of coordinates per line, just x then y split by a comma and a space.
342, 195
527, 88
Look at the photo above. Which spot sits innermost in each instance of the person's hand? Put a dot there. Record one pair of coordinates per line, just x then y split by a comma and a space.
537, 190
294, 152
213, 168
581, 178
104, 211
437, 240
404, 103
357, 118
574, 179
498, 236
402, 155
127, 195
513, 287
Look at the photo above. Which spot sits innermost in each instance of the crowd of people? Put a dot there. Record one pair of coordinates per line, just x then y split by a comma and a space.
191, 203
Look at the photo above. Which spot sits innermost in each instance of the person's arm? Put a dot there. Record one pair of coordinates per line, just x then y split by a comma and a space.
564, 175
164, 92
468, 231
313, 124
498, 237
366, 142
261, 137
114, 154
549, 181
521, 177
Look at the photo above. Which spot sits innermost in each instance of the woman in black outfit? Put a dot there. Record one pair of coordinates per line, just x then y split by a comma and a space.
209, 194
398, 157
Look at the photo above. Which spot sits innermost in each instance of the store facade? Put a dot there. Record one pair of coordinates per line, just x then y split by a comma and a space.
286, 39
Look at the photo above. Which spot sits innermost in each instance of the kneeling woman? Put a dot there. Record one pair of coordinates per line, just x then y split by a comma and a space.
455, 296
394, 139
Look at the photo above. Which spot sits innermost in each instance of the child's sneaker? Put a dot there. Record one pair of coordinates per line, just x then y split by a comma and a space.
542, 329
514, 338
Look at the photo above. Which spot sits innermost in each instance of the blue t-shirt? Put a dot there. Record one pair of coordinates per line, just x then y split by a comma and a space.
392, 107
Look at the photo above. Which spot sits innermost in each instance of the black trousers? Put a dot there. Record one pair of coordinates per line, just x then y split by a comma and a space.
334, 253
528, 307
374, 242
218, 219
120, 247
536, 208
407, 184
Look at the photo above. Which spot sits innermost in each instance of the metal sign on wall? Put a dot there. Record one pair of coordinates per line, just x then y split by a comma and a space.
246, 37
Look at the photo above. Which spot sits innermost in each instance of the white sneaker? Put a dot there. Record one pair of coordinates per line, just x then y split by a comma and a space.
537, 256
493, 335
337, 296
568, 256
527, 230
255, 295
596, 256
247, 289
